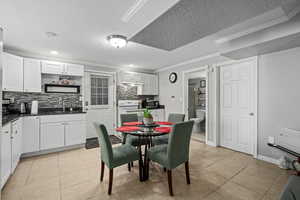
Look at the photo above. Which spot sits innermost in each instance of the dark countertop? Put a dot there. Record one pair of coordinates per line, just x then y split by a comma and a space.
12, 117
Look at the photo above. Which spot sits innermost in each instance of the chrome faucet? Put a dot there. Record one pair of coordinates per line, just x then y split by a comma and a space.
62, 102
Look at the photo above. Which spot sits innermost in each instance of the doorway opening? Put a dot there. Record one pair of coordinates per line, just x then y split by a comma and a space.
197, 106
195, 101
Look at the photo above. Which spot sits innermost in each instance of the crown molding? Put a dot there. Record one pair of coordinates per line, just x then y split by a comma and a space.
202, 58
27, 54
133, 10
263, 21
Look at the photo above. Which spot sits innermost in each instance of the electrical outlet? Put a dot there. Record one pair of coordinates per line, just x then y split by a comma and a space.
271, 140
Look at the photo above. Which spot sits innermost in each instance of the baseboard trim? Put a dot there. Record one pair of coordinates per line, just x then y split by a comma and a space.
43, 152
268, 159
210, 143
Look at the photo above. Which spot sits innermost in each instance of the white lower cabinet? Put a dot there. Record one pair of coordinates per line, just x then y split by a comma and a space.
16, 143
60, 131
11, 148
158, 114
52, 135
6, 156
75, 133
31, 134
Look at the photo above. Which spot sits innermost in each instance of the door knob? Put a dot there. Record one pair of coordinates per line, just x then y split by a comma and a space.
251, 114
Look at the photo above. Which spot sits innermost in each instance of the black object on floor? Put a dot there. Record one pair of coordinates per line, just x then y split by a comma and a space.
94, 143
114, 139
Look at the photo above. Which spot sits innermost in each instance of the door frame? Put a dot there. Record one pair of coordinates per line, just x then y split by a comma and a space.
185, 96
114, 95
254, 60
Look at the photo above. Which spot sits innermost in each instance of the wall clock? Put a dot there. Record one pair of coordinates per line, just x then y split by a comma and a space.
173, 77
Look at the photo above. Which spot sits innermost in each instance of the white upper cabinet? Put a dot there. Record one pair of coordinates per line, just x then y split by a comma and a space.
49, 67
147, 83
74, 70
12, 73
149, 86
32, 75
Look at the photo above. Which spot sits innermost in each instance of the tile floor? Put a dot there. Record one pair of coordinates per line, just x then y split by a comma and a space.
216, 174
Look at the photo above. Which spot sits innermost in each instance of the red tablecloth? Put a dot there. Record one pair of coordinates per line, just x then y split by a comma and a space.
163, 129
164, 123
127, 128
132, 123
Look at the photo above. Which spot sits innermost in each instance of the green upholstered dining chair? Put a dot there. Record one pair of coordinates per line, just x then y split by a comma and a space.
113, 157
127, 118
176, 152
174, 118
129, 139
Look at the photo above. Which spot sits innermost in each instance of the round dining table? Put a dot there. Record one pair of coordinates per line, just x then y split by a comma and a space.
144, 133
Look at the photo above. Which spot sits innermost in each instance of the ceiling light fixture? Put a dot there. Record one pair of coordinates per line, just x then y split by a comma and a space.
117, 41
54, 52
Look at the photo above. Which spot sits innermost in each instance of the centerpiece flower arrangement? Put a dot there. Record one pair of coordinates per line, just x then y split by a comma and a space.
148, 119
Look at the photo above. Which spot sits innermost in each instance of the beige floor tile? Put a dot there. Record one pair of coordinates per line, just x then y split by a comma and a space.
216, 174
255, 183
234, 191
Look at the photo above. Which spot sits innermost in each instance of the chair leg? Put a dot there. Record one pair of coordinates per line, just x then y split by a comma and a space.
187, 172
131, 164
129, 167
102, 171
170, 182
111, 174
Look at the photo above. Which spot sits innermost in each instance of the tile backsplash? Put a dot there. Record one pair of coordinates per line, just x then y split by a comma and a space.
129, 92
46, 100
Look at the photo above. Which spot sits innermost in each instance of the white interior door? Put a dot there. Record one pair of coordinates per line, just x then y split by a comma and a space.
237, 106
100, 92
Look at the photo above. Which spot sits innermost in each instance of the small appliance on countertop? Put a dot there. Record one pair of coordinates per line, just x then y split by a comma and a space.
24, 108
150, 104
34, 107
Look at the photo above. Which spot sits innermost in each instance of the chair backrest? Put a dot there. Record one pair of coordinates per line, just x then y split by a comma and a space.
128, 118
176, 117
179, 143
105, 145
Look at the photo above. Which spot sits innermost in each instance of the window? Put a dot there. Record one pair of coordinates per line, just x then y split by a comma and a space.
99, 90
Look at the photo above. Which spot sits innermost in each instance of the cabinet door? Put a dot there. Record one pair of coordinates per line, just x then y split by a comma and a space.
31, 134
16, 143
154, 115
5, 154
12, 73
74, 70
52, 135
32, 75
75, 133
49, 67
161, 114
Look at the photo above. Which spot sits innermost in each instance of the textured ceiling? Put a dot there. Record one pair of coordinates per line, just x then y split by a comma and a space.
191, 20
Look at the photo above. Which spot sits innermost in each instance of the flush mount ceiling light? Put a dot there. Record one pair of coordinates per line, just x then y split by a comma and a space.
117, 41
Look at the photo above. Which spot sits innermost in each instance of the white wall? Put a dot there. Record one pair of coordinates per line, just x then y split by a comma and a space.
167, 89
279, 96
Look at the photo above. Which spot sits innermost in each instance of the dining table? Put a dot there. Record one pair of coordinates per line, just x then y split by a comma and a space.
145, 132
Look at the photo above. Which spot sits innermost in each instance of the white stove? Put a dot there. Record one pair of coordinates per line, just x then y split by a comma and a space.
128, 107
